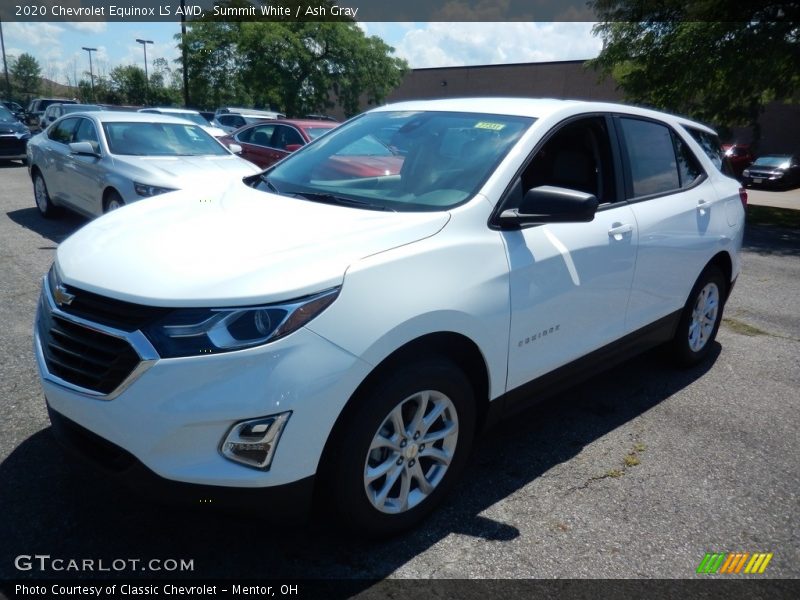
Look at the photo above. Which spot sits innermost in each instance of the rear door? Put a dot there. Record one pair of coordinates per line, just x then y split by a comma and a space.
677, 213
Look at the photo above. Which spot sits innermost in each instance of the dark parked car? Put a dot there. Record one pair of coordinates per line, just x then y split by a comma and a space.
37, 107
15, 108
740, 156
59, 109
266, 142
773, 170
14, 136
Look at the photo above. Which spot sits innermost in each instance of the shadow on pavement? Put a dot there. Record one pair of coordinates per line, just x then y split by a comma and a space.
50, 505
57, 229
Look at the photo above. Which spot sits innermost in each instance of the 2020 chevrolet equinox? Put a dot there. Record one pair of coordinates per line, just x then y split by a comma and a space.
347, 332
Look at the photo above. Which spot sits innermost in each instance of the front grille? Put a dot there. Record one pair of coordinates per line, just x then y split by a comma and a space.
82, 356
11, 145
118, 314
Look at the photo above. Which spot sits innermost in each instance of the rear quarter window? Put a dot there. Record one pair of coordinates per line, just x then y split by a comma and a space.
713, 149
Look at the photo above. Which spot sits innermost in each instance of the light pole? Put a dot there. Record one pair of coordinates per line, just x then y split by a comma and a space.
5, 64
146, 81
91, 70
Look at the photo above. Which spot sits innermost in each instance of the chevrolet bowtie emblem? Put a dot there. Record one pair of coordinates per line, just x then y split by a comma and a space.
62, 296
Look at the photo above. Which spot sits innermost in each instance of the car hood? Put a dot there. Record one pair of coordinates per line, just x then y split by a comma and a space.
236, 248
12, 127
184, 171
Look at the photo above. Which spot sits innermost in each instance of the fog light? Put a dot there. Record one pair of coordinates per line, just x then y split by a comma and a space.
253, 442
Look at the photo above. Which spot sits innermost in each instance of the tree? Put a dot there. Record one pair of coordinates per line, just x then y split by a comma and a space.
717, 61
26, 74
293, 66
127, 85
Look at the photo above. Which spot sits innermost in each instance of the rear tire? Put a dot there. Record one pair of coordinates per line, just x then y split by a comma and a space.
402, 449
42, 197
701, 318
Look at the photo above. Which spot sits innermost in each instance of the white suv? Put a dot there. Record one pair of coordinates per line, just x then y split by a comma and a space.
346, 323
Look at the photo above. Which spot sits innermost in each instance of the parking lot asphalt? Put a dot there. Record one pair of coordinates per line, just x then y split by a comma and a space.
636, 473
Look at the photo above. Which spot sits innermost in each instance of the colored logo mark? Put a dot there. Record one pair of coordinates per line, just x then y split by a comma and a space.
734, 562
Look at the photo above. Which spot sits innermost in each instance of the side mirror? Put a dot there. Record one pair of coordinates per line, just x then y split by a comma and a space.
235, 148
551, 205
293, 147
83, 148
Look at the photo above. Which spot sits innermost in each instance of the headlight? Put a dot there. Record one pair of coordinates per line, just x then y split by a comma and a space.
746, 173
194, 331
150, 190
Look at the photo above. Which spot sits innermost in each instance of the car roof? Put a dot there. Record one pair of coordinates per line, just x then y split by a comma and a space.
122, 116
305, 123
538, 108
168, 109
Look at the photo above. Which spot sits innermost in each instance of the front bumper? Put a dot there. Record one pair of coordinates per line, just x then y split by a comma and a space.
172, 416
292, 499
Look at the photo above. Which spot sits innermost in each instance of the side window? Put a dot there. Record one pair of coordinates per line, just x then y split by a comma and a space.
260, 135
284, 136
63, 132
577, 157
86, 132
651, 156
689, 168
713, 149
231, 121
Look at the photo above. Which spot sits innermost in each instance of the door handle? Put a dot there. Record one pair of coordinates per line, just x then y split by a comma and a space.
618, 230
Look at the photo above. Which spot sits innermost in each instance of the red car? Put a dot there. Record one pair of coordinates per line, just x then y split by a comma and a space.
740, 157
267, 142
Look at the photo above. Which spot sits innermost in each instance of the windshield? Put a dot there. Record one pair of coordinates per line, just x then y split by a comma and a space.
160, 139
194, 118
6, 115
772, 161
431, 161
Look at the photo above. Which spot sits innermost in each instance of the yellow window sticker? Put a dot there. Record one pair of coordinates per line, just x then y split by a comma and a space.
487, 125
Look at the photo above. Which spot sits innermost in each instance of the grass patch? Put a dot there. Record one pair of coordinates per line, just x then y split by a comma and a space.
743, 328
631, 460
769, 215
639, 447
615, 473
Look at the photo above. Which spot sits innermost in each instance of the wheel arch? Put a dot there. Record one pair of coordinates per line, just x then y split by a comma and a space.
456, 347
722, 260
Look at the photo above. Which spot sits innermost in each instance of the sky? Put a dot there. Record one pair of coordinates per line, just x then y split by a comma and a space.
57, 46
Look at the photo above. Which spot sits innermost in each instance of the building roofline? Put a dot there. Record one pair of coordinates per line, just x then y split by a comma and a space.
521, 64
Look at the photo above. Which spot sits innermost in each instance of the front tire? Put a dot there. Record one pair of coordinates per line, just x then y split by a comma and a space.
403, 448
701, 318
113, 202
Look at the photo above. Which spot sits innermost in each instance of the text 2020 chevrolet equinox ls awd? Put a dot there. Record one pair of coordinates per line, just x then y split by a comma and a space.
347, 321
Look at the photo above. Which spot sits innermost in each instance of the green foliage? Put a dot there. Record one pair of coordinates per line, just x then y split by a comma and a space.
26, 76
292, 66
715, 61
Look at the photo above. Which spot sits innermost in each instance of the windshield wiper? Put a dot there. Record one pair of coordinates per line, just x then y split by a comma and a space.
263, 177
326, 198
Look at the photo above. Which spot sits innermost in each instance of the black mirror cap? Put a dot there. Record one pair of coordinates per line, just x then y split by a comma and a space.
553, 205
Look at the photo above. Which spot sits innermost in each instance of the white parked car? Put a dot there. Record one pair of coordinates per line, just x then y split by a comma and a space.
353, 332
188, 114
95, 162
